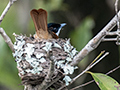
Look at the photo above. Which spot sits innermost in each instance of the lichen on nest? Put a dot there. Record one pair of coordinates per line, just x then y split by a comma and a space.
33, 62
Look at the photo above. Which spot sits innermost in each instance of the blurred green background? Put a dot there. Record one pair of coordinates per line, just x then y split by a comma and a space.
84, 18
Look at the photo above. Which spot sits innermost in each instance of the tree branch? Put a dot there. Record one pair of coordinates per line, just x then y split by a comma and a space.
110, 39
6, 10
93, 43
111, 71
7, 39
88, 68
2, 32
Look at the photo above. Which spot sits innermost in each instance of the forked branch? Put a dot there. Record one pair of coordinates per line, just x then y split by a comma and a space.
2, 32
94, 42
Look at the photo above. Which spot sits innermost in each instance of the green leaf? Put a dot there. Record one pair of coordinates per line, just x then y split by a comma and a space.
105, 82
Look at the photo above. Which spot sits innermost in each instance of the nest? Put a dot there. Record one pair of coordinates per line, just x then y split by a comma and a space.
33, 57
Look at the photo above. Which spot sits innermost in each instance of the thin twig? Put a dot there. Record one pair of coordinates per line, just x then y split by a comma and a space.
83, 85
97, 58
111, 71
93, 43
112, 33
51, 69
117, 39
6, 10
47, 80
7, 39
88, 68
55, 80
106, 30
118, 22
2, 32
110, 39
116, 10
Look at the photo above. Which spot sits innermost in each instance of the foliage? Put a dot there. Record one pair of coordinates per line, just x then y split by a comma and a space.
105, 82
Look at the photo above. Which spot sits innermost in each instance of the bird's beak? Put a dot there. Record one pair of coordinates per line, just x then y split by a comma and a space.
63, 24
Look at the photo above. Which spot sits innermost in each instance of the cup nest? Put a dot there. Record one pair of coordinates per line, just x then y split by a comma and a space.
33, 57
